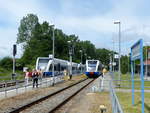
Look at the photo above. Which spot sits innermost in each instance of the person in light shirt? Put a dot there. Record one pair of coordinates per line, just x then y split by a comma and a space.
104, 71
27, 77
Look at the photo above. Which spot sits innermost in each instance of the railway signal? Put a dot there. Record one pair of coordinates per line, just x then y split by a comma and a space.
14, 54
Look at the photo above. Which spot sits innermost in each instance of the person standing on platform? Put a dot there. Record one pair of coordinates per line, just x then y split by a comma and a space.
102, 79
40, 73
27, 77
104, 72
35, 76
65, 72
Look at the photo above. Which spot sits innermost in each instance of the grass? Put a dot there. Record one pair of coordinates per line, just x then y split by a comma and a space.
96, 99
125, 100
126, 76
126, 82
6, 75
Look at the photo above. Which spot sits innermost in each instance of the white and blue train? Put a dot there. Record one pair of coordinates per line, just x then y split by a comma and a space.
93, 68
45, 64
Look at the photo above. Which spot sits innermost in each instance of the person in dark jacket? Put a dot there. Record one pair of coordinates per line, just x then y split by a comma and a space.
35, 76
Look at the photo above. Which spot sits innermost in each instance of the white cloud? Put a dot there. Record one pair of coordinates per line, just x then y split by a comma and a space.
99, 29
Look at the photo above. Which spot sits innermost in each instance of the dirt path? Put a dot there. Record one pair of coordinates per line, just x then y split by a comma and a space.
87, 102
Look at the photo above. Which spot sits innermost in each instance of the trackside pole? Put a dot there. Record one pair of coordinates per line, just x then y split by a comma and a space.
132, 64
142, 75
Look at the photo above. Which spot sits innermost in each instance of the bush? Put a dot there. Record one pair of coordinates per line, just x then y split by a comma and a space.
6, 63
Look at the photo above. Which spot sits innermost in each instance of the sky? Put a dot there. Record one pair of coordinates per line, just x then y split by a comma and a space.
88, 19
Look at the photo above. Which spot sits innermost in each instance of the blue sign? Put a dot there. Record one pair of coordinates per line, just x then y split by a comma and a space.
137, 54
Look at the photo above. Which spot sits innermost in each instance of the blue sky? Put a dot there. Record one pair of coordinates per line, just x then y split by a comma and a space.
89, 19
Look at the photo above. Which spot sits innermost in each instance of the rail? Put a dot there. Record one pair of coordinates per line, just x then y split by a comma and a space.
114, 99
17, 110
8, 86
116, 107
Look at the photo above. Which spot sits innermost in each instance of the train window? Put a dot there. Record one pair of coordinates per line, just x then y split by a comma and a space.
55, 67
50, 68
73, 68
59, 67
42, 63
92, 63
92, 66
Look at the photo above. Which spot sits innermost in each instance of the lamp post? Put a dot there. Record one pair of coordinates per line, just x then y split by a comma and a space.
81, 60
110, 62
119, 23
113, 66
53, 74
70, 54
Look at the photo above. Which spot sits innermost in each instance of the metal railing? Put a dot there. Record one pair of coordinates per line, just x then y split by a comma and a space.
45, 82
116, 107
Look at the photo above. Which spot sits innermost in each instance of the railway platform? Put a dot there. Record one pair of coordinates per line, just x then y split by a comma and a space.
22, 87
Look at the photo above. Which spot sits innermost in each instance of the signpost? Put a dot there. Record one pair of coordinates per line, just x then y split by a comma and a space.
137, 54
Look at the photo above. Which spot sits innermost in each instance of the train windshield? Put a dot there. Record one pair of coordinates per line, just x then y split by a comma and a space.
92, 66
42, 64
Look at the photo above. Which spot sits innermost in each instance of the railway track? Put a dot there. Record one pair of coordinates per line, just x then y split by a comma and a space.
54, 101
69, 98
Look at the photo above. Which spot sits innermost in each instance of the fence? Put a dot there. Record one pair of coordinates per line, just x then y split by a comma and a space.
107, 84
17, 87
116, 107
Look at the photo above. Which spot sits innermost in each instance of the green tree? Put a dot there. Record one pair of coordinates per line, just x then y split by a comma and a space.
37, 42
103, 55
6, 63
124, 64
40, 43
27, 25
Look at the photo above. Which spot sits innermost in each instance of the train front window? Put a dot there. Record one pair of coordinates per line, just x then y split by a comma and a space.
92, 66
43, 63
50, 68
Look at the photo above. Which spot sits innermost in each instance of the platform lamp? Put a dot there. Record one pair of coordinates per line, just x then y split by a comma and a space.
81, 59
53, 56
119, 35
70, 54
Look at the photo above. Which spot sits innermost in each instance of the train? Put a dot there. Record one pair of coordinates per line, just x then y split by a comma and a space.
45, 64
93, 68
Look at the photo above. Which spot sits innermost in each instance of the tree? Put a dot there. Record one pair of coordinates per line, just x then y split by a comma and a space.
37, 42
40, 43
124, 64
103, 56
6, 63
27, 25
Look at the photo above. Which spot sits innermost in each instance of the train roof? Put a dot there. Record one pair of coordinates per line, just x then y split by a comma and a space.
57, 59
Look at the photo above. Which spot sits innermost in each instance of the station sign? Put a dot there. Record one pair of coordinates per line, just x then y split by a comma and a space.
135, 50
116, 56
137, 54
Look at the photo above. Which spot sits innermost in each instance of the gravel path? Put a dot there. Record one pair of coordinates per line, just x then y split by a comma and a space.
87, 101
49, 104
14, 102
